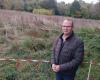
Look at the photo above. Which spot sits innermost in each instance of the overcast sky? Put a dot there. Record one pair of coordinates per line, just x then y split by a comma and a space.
70, 1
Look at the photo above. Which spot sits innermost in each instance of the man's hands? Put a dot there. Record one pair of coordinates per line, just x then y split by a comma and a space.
55, 67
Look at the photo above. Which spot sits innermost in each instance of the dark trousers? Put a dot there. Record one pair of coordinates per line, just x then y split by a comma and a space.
61, 76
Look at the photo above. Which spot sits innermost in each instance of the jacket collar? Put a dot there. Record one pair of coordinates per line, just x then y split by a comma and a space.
69, 37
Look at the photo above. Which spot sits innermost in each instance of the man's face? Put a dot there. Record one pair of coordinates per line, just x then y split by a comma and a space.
67, 27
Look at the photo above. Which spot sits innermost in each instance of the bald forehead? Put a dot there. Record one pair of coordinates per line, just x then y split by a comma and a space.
67, 23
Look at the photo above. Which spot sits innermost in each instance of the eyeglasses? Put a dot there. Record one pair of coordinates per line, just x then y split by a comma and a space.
66, 26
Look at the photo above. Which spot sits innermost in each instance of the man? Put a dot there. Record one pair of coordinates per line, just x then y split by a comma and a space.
67, 53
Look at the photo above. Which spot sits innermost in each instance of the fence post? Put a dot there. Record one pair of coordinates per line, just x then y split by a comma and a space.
88, 78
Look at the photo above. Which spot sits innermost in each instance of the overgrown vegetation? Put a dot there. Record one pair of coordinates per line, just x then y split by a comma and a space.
29, 47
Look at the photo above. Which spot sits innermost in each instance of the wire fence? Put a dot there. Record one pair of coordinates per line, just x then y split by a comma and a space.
32, 67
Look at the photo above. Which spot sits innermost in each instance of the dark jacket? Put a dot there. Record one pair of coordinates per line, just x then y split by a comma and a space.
69, 54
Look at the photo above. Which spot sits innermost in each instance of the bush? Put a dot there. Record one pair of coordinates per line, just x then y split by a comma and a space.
32, 44
43, 11
2, 40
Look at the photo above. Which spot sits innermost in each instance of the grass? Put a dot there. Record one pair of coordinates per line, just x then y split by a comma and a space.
40, 48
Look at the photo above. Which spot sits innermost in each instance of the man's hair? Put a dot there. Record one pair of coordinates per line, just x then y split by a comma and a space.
69, 20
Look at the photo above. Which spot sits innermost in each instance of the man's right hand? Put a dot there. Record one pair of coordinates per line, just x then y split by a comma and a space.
55, 67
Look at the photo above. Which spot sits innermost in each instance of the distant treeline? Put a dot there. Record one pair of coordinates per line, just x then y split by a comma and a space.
78, 8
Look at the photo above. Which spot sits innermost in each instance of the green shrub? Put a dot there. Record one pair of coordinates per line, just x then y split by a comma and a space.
32, 44
2, 40
43, 11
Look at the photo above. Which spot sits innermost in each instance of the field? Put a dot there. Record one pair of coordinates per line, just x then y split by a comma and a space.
28, 36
